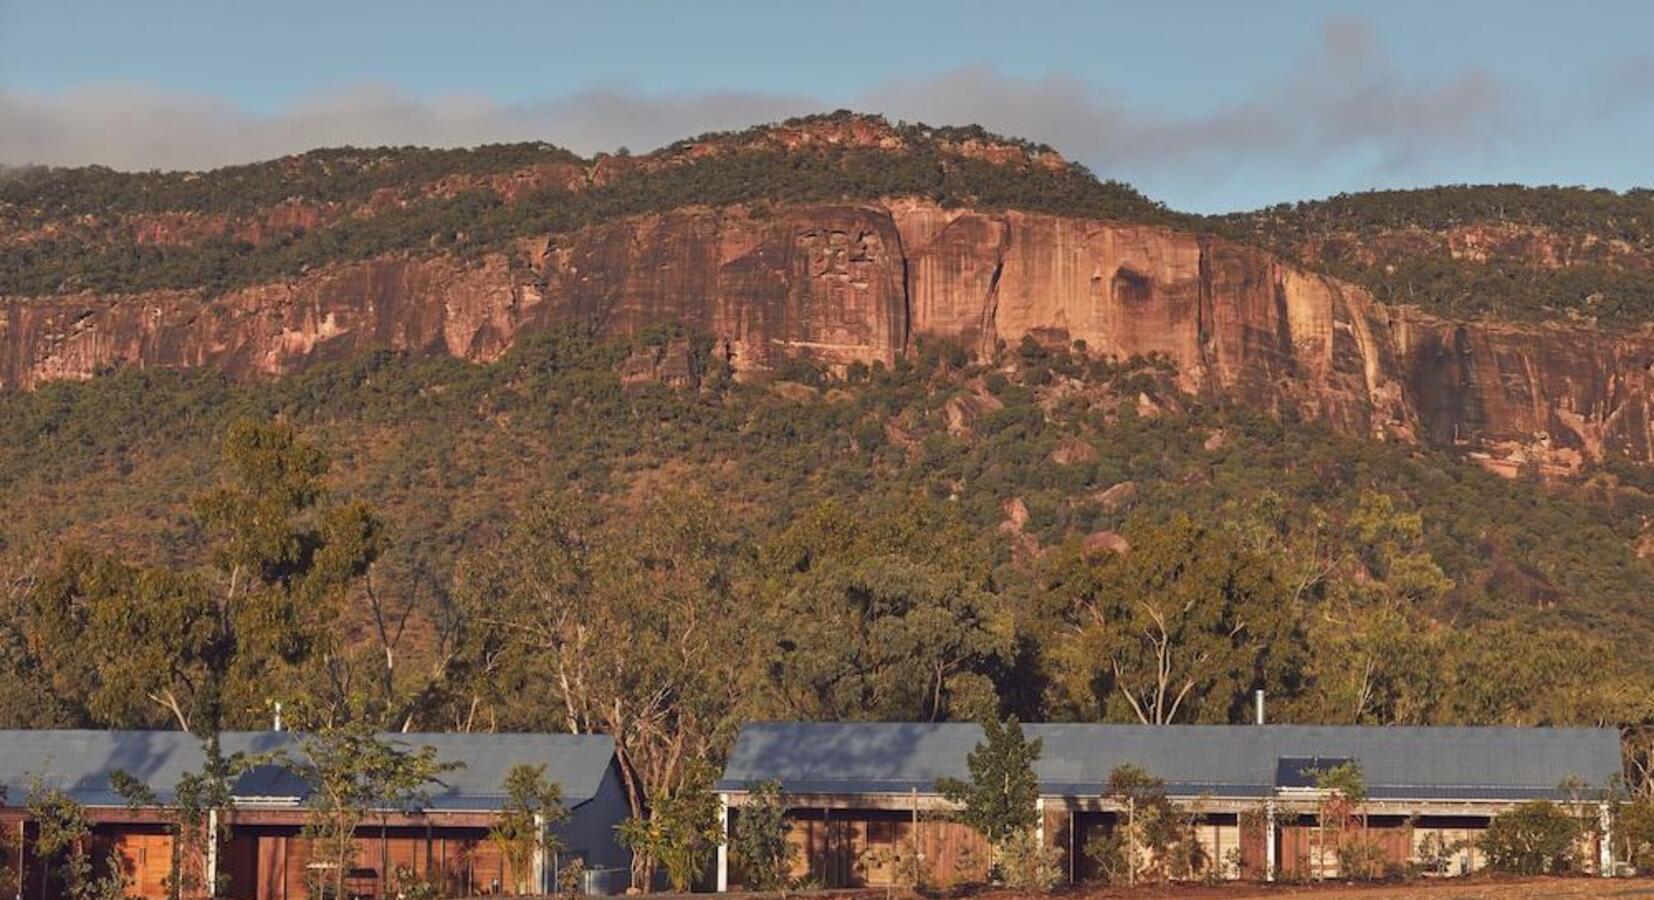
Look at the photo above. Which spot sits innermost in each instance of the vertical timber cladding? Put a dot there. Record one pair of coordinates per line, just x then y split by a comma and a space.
264, 856
1254, 847
1309, 851
838, 848
145, 854
463, 864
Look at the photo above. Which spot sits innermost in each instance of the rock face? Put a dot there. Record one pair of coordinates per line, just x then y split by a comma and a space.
863, 283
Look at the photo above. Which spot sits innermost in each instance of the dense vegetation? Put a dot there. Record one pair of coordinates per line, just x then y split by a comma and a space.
1607, 214
1606, 238
860, 559
1393, 243
744, 173
38, 194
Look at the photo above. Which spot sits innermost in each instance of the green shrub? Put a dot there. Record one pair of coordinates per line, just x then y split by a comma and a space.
759, 845
1536, 838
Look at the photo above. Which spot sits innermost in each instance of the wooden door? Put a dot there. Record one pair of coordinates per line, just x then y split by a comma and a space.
878, 852
147, 859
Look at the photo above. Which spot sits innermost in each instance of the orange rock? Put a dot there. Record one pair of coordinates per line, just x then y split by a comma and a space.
1116, 497
861, 283
1099, 542
1073, 450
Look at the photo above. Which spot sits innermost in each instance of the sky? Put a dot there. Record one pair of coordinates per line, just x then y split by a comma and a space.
1208, 106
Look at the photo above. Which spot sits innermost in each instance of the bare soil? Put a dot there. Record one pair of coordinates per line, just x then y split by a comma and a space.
1484, 887
1423, 889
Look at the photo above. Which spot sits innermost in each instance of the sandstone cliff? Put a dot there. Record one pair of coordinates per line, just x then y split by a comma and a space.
851, 283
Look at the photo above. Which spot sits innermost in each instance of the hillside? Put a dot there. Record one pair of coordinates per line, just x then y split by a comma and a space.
844, 239
923, 418
1485, 251
1476, 598
68, 230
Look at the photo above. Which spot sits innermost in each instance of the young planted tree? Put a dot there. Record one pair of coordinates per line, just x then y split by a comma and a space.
354, 773
1143, 843
62, 832
533, 803
1001, 802
759, 845
681, 831
10, 880
1343, 790
188, 819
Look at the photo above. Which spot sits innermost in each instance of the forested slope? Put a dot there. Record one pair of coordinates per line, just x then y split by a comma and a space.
592, 526
935, 540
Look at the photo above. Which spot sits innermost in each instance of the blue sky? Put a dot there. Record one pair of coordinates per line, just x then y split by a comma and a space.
1206, 105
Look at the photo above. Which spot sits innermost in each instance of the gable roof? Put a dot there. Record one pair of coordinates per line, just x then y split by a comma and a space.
1219, 760
81, 763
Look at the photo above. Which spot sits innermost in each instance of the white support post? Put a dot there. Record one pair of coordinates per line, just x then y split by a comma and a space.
723, 845
1269, 841
1039, 829
1605, 855
539, 873
212, 852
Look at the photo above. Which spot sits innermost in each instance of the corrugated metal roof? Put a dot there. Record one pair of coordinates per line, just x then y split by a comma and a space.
80, 762
1221, 760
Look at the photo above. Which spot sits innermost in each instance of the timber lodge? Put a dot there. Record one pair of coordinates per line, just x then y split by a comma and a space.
861, 798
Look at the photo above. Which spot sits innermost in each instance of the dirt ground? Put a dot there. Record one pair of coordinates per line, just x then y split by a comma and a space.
1475, 888
1456, 889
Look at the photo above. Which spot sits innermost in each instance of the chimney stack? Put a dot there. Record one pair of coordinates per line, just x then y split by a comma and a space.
1259, 696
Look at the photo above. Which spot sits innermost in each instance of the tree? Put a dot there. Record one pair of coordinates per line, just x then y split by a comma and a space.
882, 614
1499, 673
681, 831
62, 832
284, 558
1153, 836
1635, 833
352, 773
1379, 663
1147, 814
631, 628
759, 845
134, 641
187, 819
1027, 864
1343, 790
1536, 838
1182, 628
9, 880
60, 827
533, 803
1001, 799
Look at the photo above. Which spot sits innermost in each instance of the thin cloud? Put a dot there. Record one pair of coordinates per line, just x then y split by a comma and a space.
1346, 96
132, 128
1346, 105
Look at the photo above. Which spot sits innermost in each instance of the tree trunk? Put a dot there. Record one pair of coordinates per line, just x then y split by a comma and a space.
1131, 841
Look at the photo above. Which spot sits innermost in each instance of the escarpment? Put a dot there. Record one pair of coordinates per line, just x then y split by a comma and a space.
851, 283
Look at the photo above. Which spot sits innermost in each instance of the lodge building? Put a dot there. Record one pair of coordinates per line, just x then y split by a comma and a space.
865, 810
443, 841
861, 797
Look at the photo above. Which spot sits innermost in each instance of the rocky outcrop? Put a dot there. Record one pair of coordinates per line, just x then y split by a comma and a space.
864, 283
